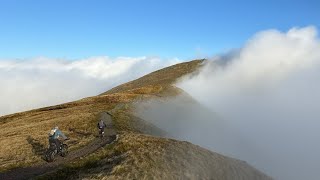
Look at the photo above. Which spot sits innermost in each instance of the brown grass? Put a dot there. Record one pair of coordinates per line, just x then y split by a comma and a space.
146, 157
23, 137
16, 150
165, 76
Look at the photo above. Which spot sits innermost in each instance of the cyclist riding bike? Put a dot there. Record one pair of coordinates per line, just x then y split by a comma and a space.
54, 135
101, 126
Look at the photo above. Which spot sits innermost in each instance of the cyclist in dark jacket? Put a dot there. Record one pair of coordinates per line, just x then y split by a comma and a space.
101, 125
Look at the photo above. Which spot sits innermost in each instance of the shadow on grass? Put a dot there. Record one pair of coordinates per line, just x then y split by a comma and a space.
88, 169
37, 147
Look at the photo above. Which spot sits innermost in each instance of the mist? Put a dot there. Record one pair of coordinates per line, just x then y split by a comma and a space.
259, 104
32, 83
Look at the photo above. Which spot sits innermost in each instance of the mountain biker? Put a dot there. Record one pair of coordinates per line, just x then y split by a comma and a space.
101, 125
54, 135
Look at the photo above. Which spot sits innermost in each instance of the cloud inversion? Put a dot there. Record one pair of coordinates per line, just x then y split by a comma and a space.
34, 83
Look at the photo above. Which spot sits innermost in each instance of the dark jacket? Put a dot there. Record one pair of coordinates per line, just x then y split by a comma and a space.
101, 124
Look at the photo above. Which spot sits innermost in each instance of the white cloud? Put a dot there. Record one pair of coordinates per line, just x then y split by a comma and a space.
268, 95
28, 84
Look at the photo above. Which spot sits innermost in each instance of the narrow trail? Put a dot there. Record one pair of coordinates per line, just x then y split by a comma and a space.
29, 172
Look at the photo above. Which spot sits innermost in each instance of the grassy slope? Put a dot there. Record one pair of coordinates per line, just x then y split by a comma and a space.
135, 155
164, 77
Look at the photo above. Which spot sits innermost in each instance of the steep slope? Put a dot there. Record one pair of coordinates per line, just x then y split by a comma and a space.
140, 151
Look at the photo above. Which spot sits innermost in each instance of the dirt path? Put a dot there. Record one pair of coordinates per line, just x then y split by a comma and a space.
29, 172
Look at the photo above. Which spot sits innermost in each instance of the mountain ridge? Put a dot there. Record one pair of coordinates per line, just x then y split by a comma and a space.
141, 151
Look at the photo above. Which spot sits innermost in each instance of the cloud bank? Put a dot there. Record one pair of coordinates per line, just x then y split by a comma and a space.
268, 95
34, 83
261, 104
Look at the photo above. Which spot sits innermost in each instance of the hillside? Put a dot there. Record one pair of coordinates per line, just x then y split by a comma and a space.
164, 77
140, 151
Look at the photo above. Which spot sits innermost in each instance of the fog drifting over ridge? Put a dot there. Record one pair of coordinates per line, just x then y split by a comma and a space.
39, 82
261, 104
268, 93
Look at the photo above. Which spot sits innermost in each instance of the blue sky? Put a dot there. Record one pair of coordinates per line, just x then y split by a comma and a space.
166, 28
